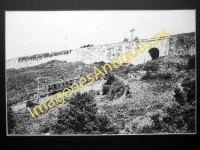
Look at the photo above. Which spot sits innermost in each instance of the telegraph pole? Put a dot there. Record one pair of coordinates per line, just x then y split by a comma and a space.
132, 30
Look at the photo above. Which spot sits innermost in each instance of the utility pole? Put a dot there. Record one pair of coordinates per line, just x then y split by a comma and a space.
132, 30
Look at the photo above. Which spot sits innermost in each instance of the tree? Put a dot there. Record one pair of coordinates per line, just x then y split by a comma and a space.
82, 116
89, 45
136, 39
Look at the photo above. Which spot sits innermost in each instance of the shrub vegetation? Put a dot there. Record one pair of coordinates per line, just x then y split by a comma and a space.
82, 117
179, 117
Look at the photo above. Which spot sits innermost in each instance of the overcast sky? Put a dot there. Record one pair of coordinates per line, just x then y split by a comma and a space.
35, 32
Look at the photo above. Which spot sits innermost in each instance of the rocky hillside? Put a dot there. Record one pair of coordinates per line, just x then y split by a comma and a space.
22, 82
136, 99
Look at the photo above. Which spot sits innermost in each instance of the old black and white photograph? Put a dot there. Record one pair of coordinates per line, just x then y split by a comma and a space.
100, 72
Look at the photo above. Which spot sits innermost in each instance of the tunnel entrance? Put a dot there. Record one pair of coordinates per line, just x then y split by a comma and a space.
154, 53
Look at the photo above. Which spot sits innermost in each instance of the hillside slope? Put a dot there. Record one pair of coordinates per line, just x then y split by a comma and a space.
136, 93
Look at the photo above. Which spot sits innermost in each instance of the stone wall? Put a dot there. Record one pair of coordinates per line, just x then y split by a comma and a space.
175, 45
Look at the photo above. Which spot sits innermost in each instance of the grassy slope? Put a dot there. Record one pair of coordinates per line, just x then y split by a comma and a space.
147, 95
22, 81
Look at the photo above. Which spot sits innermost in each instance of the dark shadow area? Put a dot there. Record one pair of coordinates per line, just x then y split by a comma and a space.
154, 53
191, 62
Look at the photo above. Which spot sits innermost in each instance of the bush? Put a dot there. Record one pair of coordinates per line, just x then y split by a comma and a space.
187, 95
116, 90
164, 75
137, 111
156, 121
186, 100
113, 88
82, 110
179, 116
149, 75
150, 67
58, 128
92, 92
104, 125
82, 118
44, 128
146, 129
106, 89
110, 79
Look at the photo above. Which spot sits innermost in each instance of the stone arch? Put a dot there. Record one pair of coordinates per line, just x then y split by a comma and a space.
154, 53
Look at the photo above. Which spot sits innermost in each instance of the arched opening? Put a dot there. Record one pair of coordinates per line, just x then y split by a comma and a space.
154, 53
